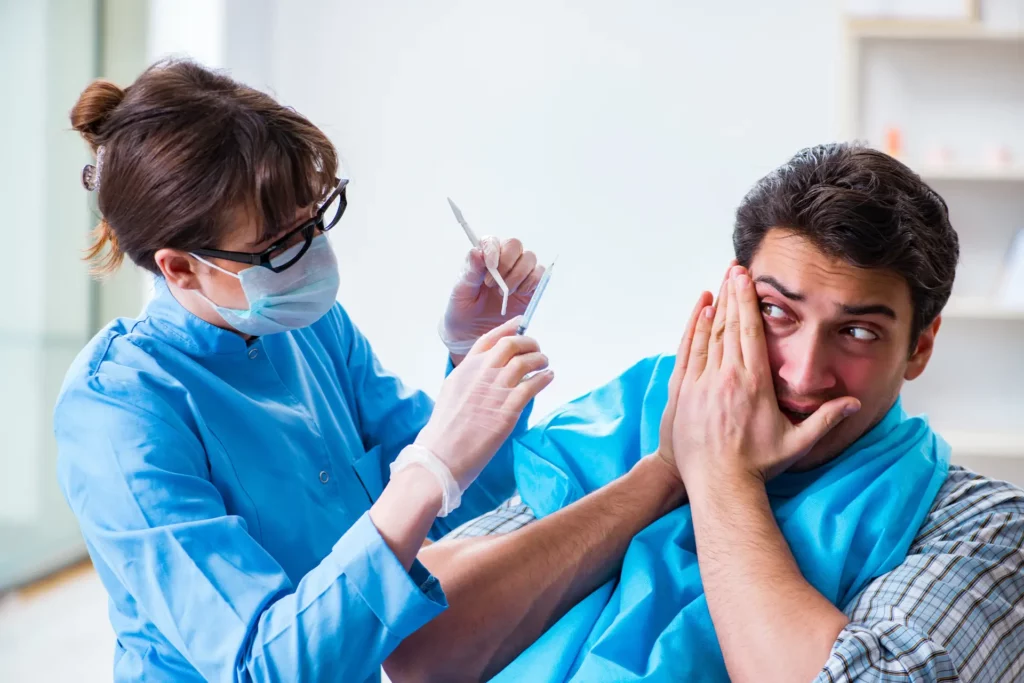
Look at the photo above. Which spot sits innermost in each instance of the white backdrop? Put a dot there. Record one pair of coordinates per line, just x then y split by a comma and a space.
618, 136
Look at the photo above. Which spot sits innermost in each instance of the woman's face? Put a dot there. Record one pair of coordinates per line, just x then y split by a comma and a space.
221, 288
189, 277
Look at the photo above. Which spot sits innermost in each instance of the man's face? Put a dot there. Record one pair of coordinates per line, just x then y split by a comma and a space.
834, 330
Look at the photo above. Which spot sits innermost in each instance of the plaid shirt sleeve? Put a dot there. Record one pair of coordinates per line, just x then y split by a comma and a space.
511, 515
954, 610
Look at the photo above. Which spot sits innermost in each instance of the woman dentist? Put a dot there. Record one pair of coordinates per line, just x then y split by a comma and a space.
252, 485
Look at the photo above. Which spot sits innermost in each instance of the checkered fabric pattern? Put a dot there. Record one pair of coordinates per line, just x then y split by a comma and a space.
954, 609
511, 515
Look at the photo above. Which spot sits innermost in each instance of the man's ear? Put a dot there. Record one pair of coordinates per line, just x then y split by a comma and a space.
923, 350
178, 268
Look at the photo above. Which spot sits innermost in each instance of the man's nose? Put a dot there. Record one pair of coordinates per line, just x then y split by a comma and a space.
806, 368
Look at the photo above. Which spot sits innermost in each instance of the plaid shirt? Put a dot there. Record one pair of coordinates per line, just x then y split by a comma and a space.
953, 611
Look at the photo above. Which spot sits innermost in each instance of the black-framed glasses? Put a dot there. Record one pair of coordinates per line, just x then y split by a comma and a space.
282, 254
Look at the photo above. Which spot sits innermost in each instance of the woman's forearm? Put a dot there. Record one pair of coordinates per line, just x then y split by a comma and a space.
405, 511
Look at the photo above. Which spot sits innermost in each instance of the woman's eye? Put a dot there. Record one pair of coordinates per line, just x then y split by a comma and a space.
772, 311
861, 333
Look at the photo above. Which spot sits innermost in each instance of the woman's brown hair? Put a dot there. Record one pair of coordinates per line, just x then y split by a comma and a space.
184, 149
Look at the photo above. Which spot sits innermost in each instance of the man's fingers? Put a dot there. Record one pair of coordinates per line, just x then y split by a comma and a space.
731, 351
824, 419
683, 352
752, 339
679, 370
698, 359
718, 326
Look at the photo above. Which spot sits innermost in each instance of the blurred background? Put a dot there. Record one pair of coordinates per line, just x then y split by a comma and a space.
618, 136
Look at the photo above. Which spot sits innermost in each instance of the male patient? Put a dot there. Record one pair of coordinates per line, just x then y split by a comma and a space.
759, 507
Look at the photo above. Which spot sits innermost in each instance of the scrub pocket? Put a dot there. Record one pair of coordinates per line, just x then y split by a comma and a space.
370, 470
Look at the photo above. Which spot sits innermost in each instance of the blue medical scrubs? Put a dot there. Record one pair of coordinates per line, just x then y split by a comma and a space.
222, 488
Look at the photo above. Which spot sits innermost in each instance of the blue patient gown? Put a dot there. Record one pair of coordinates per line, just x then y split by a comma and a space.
846, 522
222, 489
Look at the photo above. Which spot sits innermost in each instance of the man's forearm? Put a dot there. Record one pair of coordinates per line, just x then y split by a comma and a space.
505, 591
771, 624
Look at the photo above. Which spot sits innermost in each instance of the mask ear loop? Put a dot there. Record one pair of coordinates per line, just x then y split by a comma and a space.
202, 296
215, 266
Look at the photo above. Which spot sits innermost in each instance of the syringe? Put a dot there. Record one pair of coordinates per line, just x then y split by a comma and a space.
532, 306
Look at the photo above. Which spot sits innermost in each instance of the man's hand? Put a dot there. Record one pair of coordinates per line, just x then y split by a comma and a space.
665, 451
727, 420
728, 438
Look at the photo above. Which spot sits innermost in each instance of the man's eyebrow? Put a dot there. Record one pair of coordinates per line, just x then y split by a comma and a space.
788, 293
870, 309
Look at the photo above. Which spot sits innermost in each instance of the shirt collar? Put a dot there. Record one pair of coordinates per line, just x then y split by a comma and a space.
186, 331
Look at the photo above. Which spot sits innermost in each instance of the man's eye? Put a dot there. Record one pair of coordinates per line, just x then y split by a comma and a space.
772, 311
861, 333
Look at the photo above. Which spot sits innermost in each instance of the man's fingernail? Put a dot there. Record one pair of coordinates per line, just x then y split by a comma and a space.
709, 312
743, 282
850, 410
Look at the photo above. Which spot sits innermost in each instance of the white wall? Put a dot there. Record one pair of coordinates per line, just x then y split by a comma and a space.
47, 54
620, 136
23, 32
195, 28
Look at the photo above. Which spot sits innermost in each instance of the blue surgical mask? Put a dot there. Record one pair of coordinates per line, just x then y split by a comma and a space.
294, 298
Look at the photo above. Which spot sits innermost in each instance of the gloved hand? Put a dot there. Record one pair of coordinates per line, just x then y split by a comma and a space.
474, 306
482, 399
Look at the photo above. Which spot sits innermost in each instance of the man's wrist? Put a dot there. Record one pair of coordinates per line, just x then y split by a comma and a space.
652, 472
723, 480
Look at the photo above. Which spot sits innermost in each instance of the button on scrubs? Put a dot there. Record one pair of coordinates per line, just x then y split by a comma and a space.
222, 488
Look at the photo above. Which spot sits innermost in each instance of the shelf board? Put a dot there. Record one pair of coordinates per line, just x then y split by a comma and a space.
898, 29
972, 173
979, 444
980, 308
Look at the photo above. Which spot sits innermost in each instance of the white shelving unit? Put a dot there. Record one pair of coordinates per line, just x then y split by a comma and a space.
958, 85
861, 33
951, 30
981, 308
998, 174
981, 444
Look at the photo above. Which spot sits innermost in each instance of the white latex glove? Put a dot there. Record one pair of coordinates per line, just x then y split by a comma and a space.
474, 306
482, 399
